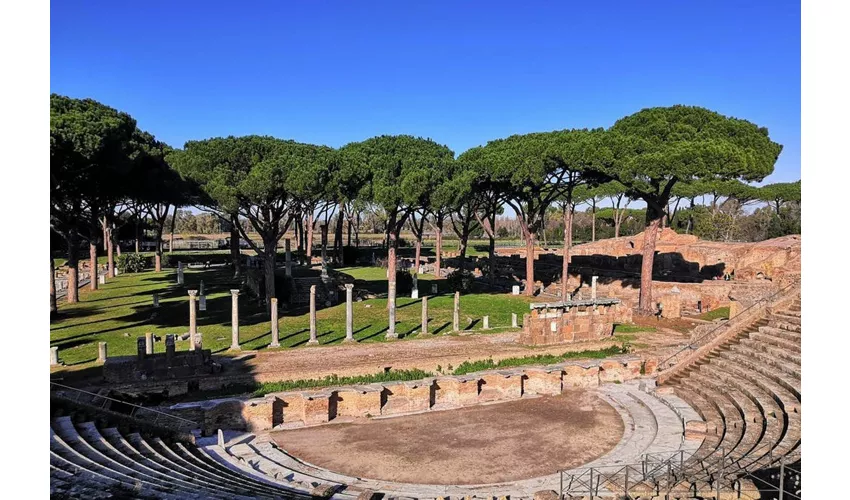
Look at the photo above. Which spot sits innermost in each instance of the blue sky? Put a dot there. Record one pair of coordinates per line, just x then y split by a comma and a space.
461, 73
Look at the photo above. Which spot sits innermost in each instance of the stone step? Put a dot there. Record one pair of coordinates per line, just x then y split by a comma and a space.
785, 318
777, 341
774, 351
788, 335
791, 327
765, 356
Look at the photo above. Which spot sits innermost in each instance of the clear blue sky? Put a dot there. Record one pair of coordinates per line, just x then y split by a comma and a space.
459, 72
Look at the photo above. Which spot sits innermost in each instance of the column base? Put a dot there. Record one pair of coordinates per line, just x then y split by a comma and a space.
392, 335
313, 341
235, 348
349, 340
274, 345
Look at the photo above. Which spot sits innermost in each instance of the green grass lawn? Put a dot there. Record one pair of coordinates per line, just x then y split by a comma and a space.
122, 310
719, 313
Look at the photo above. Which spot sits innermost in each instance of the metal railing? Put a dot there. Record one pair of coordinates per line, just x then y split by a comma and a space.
743, 317
104, 400
659, 474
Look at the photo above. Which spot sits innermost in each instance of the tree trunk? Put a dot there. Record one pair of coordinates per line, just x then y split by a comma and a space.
110, 254
93, 260
593, 226
173, 223
357, 230
565, 276
649, 240
138, 235
529, 260
52, 289
269, 265
491, 258
235, 252
73, 267
391, 265
349, 231
418, 253
616, 225
105, 227
309, 229
439, 249
338, 236
324, 232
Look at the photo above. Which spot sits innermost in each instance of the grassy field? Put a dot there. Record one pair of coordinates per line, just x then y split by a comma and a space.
122, 310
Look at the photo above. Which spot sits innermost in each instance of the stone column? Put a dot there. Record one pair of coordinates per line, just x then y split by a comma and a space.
179, 273
593, 287
288, 259
424, 330
414, 294
54, 356
486, 322
101, 352
349, 312
391, 333
234, 321
148, 343
156, 300
275, 331
456, 313
514, 323
101, 279
193, 320
313, 338
202, 288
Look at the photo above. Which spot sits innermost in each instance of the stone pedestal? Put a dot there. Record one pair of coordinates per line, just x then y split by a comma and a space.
349, 312
274, 323
515, 290
486, 322
234, 321
54, 356
170, 346
156, 300
180, 280
193, 320
202, 289
141, 348
101, 279
514, 323
148, 343
313, 337
414, 294
101, 352
434, 289
424, 330
202, 303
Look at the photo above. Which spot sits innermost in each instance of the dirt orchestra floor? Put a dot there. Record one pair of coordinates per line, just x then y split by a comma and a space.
480, 444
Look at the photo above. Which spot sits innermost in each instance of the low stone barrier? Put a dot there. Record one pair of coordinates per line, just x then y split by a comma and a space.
316, 407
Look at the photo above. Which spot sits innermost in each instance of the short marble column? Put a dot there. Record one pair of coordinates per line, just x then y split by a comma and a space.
148, 343
193, 320
101, 352
156, 300
456, 313
101, 279
179, 273
514, 323
486, 321
234, 321
54, 356
349, 312
414, 294
275, 330
288, 258
313, 338
391, 333
424, 330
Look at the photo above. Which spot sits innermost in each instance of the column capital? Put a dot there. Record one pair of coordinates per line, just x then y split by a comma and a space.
312, 288
349, 286
273, 300
234, 292
193, 293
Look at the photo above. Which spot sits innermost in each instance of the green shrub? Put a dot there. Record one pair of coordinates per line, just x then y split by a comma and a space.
132, 262
461, 281
165, 260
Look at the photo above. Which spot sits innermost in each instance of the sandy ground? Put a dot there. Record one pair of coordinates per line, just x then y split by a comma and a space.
426, 354
481, 444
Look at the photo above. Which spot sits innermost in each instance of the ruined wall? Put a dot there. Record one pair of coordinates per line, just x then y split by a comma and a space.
577, 324
306, 408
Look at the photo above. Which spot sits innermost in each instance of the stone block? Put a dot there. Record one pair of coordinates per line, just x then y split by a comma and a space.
632, 369
358, 402
258, 414
695, 429
650, 366
546, 495
406, 397
580, 376
611, 371
453, 392
500, 386
315, 408
542, 381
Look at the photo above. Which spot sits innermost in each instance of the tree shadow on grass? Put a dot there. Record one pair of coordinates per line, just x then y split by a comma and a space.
472, 324
443, 327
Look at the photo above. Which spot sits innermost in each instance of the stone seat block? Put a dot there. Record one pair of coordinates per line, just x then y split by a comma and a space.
359, 401
454, 392
315, 408
499, 386
406, 397
579, 376
543, 381
612, 371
